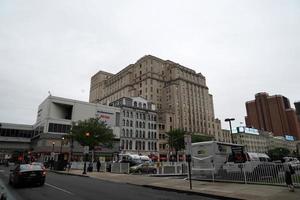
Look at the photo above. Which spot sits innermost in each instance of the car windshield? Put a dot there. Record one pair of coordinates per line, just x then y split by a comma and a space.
30, 167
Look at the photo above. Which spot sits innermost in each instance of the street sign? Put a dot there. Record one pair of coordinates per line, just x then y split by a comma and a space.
86, 149
188, 144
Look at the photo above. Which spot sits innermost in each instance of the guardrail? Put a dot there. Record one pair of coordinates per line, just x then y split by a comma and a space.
264, 173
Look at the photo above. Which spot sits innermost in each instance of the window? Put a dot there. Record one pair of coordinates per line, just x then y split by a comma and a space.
58, 128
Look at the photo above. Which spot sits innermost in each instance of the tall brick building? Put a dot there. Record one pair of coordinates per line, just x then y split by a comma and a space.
181, 95
274, 114
297, 106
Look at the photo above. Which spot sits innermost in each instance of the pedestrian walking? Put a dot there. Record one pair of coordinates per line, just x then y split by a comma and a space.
98, 165
288, 172
52, 164
68, 166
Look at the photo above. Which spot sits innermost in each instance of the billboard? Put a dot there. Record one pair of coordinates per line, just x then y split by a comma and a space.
289, 138
105, 117
243, 129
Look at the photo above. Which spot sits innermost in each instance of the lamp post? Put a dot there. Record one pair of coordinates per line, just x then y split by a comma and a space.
53, 143
229, 120
85, 155
61, 144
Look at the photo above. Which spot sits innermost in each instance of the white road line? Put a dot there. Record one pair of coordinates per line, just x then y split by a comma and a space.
66, 191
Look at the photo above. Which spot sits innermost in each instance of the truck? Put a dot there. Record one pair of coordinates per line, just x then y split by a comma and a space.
210, 155
220, 158
134, 159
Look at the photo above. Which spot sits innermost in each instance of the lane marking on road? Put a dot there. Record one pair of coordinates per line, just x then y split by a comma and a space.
63, 190
2, 171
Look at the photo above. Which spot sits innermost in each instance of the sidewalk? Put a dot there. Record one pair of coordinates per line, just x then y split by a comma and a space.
217, 189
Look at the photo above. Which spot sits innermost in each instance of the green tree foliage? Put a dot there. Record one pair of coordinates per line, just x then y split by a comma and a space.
201, 138
278, 153
176, 140
92, 132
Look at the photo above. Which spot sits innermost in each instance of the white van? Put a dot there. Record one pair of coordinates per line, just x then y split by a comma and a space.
254, 161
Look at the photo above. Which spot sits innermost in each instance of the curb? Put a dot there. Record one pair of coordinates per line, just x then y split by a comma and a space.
190, 192
68, 174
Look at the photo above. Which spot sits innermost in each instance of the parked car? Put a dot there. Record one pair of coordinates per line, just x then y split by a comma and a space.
147, 168
27, 173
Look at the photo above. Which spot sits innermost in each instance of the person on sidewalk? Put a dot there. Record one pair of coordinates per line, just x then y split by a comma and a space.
98, 165
68, 166
288, 172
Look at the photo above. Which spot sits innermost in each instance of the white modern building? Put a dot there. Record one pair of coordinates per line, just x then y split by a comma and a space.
54, 120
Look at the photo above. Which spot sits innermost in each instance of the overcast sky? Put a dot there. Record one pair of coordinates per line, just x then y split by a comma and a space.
241, 47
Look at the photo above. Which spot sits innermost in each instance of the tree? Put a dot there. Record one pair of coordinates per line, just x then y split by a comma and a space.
92, 132
201, 138
278, 153
176, 140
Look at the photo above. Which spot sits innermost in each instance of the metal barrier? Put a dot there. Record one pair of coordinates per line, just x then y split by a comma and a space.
120, 168
79, 165
172, 168
253, 173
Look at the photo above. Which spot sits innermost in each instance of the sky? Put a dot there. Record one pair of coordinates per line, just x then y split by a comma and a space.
241, 47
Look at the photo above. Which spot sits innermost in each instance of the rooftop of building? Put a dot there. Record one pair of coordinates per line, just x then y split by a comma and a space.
151, 57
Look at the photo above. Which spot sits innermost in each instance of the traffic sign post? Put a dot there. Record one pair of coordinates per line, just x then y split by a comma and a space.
188, 156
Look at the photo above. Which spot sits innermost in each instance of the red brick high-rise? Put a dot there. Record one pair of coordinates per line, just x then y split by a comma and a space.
274, 114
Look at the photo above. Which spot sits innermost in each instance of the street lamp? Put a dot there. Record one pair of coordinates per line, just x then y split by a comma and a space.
53, 143
85, 156
61, 143
229, 120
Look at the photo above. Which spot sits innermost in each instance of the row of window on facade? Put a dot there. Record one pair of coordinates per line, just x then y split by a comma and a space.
5, 132
139, 145
59, 128
139, 115
138, 134
129, 123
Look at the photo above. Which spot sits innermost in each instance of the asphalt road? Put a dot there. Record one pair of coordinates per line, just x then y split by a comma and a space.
67, 187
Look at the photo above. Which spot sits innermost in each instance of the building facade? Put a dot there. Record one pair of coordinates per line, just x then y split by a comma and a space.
139, 127
180, 94
15, 140
56, 115
273, 114
261, 141
297, 106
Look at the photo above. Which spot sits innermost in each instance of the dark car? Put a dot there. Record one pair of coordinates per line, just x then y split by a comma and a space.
147, 168
28, 174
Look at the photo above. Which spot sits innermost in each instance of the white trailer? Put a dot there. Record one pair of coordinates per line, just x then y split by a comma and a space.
210, 156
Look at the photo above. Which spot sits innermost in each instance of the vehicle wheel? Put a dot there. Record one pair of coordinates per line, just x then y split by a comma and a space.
42, 183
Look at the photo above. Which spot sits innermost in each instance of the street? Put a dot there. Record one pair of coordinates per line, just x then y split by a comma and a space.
82, 188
